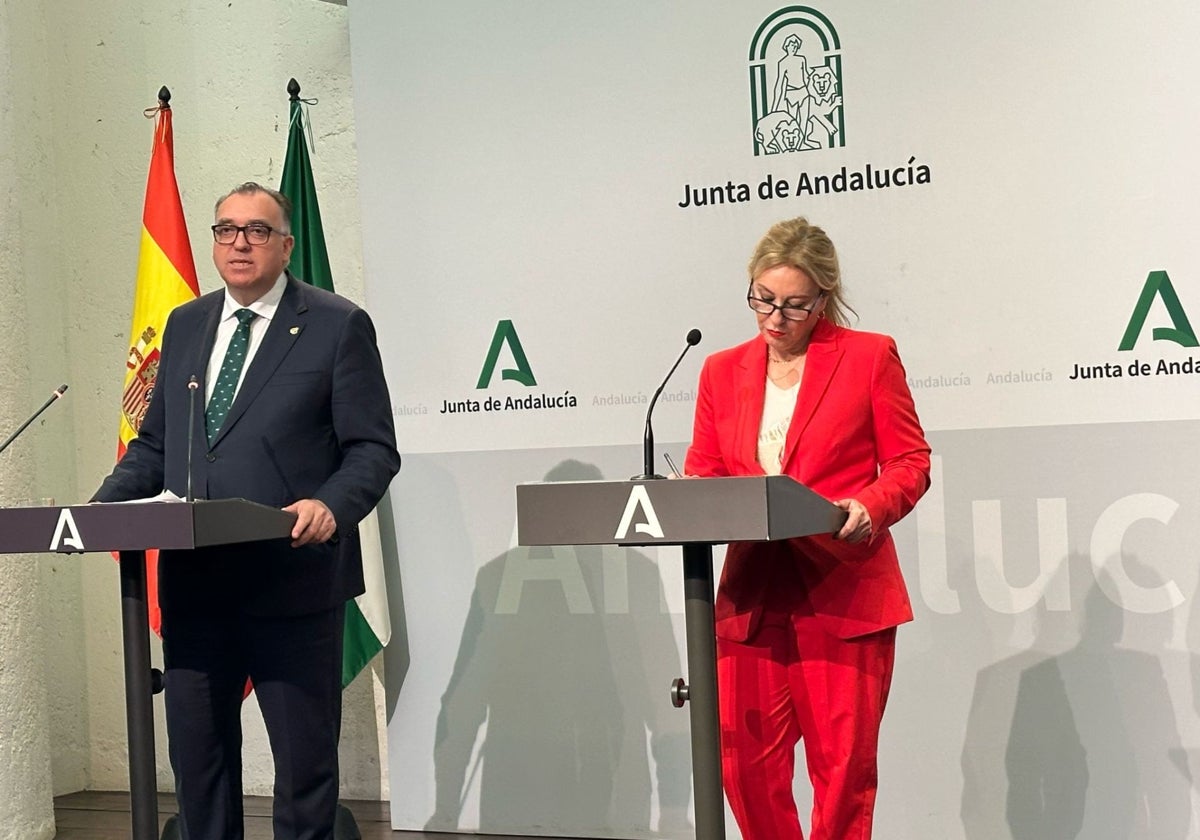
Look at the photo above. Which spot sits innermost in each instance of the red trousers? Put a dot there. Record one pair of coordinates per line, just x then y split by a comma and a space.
793, 680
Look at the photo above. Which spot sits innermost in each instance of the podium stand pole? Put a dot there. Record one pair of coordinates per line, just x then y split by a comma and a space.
139, 709
702, 691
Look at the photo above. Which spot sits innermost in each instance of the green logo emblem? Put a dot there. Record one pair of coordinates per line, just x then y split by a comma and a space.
796, 83
506, 334
1159, 284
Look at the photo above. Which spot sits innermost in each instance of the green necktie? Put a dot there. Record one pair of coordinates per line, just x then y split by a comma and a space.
227, 380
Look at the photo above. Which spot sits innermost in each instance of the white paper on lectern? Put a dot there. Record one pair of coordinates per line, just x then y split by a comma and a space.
164, 496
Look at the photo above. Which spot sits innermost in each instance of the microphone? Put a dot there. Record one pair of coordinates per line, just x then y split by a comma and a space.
62, 389
693, 338
193, 386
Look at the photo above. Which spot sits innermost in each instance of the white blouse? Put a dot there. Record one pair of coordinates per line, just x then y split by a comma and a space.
778, 406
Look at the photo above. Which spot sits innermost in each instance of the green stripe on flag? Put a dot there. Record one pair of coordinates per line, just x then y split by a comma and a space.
360, 644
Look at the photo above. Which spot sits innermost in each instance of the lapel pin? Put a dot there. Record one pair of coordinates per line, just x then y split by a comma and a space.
294, 330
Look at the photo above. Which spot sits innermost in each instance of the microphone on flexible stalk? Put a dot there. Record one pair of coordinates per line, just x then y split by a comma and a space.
57, 395
193, 386
693, 338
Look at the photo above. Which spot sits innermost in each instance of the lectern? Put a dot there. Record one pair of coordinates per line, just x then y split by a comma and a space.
695, 513
131, 529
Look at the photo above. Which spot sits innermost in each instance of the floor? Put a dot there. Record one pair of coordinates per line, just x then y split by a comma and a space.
104, 815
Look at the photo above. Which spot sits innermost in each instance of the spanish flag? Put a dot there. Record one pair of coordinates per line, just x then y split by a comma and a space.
166, 277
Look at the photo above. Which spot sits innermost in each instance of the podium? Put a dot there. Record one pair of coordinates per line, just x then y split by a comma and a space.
694, 513
130, 529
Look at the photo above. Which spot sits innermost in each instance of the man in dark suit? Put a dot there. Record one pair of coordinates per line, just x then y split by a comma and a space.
294, 414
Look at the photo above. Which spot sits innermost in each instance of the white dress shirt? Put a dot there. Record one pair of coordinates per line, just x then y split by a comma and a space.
264, 308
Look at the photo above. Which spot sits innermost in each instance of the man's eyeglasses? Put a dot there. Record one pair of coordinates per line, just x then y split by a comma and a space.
255, 233
790, 312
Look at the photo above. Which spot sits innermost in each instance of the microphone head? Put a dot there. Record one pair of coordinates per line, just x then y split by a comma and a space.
193, 383
693, 337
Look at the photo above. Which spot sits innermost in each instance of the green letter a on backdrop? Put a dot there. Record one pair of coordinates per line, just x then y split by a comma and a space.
1158, 283
506, 333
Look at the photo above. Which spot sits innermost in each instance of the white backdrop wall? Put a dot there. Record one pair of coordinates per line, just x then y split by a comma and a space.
553, 195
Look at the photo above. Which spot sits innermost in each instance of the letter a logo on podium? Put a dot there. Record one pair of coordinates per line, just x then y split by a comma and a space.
66, 533
639, 498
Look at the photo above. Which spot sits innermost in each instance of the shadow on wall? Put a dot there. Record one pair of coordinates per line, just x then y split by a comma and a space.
558, 665
1092, 749
397, 657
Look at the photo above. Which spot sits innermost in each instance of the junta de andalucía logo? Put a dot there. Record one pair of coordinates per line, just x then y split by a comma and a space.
796, 83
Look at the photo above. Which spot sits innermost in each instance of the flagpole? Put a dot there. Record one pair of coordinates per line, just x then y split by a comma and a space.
306, 224
166, 276
142, 681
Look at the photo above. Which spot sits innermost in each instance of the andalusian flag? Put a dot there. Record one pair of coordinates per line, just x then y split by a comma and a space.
166, 277
368, 625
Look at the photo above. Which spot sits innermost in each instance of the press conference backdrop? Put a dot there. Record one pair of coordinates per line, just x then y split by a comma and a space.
556, 192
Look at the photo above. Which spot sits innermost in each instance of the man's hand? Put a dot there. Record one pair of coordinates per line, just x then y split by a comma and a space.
858, 524
314, 522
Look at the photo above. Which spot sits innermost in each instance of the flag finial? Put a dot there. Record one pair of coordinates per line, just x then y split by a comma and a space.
293, 89
164, 97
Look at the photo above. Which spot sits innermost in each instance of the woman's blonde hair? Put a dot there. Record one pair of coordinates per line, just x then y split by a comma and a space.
796, 243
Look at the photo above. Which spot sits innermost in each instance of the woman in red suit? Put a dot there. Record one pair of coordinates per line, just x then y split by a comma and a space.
806, 628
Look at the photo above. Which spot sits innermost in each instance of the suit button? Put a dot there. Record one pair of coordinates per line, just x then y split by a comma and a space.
210, 457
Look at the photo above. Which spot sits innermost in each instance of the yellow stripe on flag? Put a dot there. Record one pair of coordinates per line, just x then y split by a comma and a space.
160, 288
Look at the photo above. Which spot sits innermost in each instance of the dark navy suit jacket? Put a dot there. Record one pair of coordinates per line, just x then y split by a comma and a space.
312, 419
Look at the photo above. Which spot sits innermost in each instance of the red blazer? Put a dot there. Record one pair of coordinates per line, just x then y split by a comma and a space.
854, 434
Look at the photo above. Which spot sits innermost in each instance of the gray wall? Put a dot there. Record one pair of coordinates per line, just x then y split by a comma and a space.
74, 152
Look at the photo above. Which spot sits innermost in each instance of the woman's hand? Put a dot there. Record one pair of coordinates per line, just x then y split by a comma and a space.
858, 523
